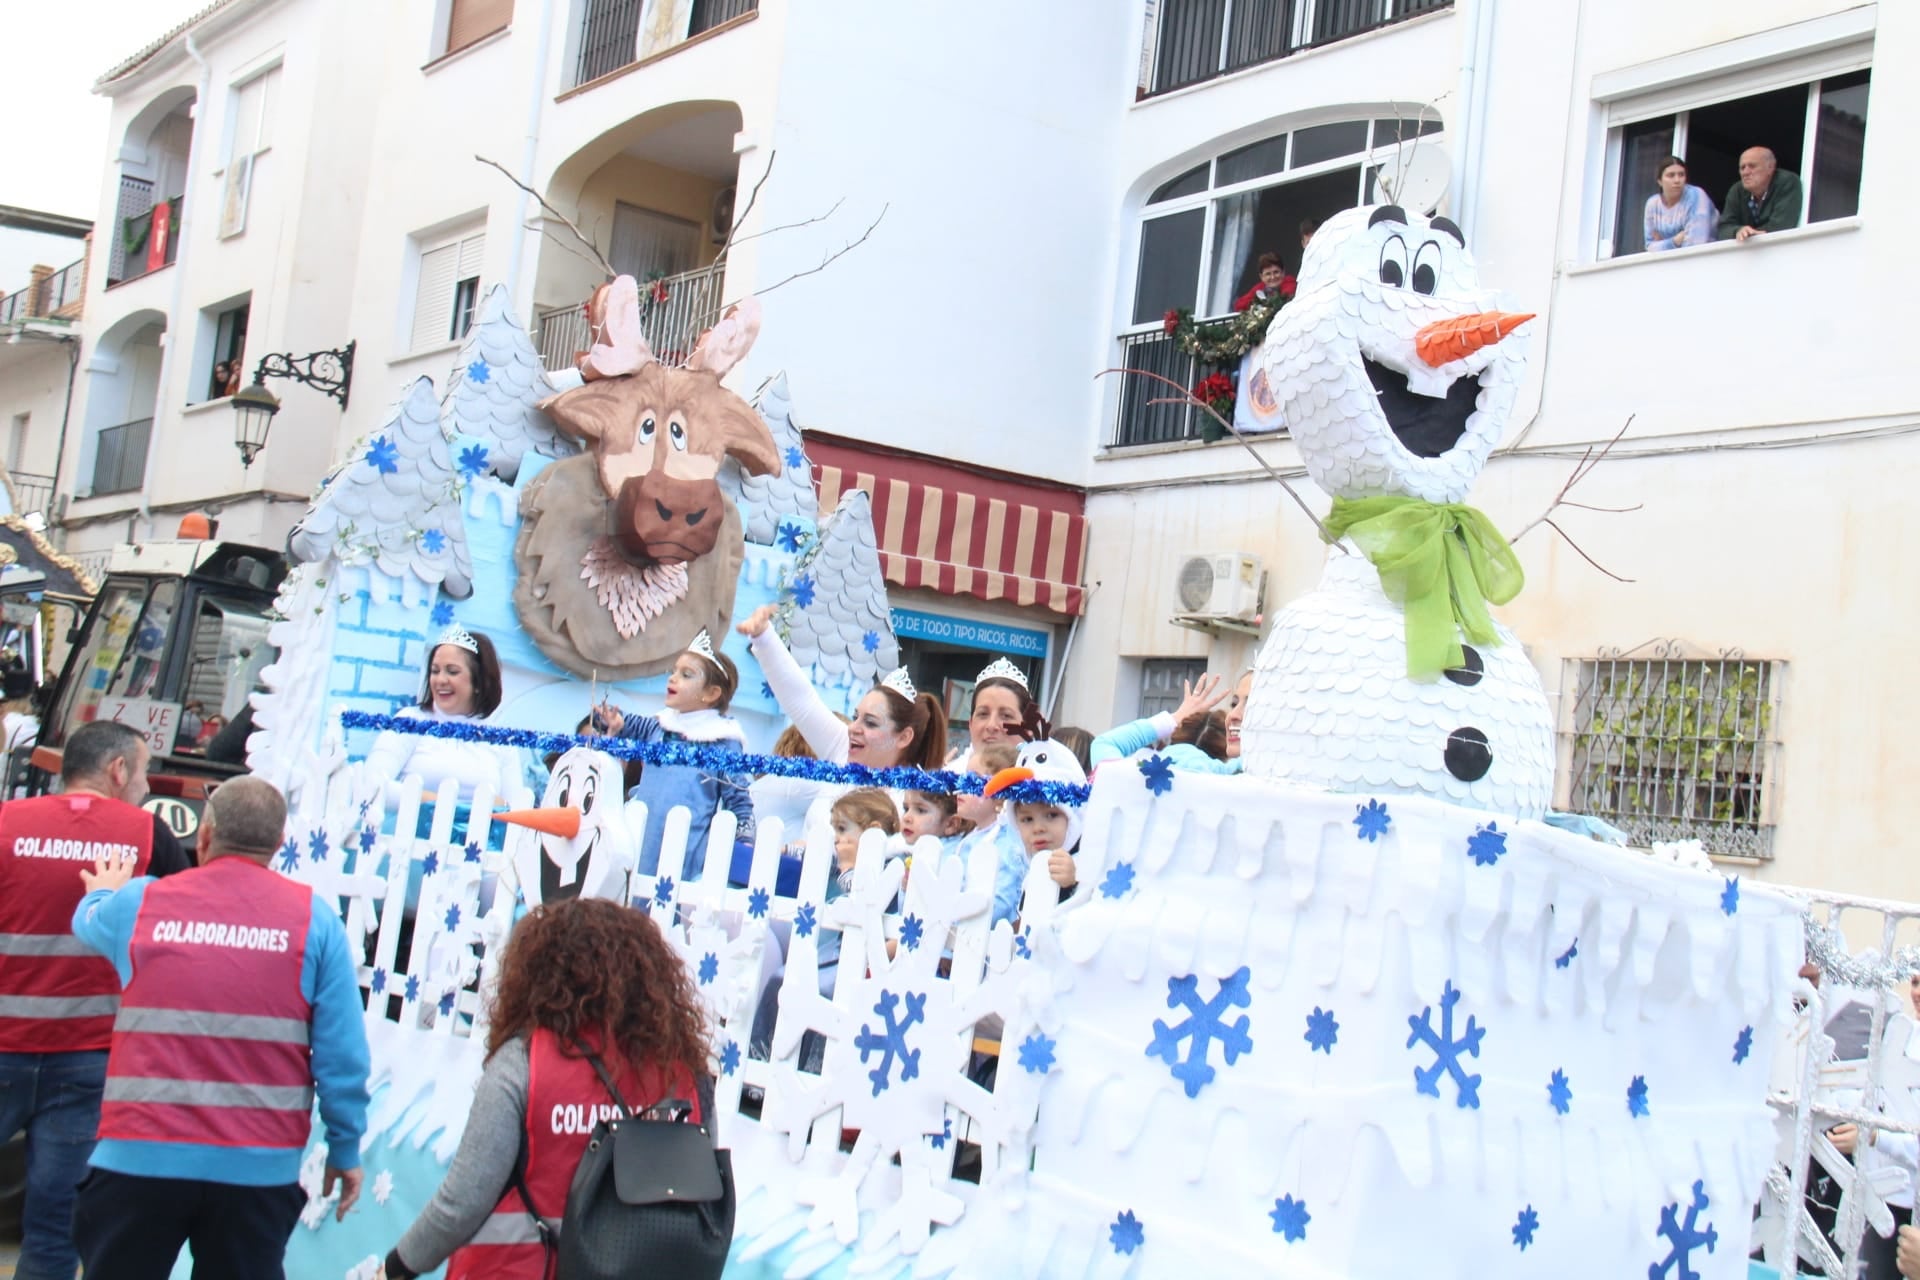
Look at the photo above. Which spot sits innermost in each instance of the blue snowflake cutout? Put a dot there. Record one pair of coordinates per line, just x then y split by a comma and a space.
442, 613
429, 864
477, 371
453, 917
1371, 820
730, 1058
709, 969
938, 1141
1158, 771
870, 641
796, 456
378, 985
1290, 1219
1117, 884
766, 691
383, 455
1683, 1238
1524, 1227
446, 1004
1560, 1092
1730, 896
472, 460
911, 930
1486, 844
317, 845
802, 588
663, 891
1036, 1053
472, 851
1126, 1233
789, 536
803, 920
891, 1041
433, 542
368, 836
1637, 1098
1447, 1050
413, 987
1742, 1045
1022, 946
290, 854
1201, 1027
1322, 1031
757, 903
1565, 958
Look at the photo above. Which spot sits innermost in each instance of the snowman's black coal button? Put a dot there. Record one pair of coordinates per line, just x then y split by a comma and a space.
1468, 756
1471, 668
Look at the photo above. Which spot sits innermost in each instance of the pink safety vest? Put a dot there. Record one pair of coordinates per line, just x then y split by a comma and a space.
211, 1043
57, 995
565, 1100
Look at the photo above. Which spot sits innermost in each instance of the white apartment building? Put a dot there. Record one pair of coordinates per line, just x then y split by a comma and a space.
1036, 185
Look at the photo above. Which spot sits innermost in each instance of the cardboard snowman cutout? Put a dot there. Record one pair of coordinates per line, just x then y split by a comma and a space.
1397, 375
594, 862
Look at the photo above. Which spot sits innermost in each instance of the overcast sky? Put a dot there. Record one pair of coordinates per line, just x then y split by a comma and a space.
53, 150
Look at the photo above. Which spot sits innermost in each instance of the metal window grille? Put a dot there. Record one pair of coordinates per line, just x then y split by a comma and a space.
609, 37
1139, 419
708, 14
1667, 745
1195, 40
673, 323
1162, 681
136, 198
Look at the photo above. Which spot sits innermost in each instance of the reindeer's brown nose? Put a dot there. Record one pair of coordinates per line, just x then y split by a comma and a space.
658, 518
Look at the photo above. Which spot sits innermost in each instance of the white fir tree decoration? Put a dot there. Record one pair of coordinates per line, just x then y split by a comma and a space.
394, 503
786, 496
495, 385
835, 614
282, 748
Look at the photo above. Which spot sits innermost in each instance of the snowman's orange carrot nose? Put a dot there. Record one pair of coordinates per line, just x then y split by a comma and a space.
1007, 778
1445, 341
554, 821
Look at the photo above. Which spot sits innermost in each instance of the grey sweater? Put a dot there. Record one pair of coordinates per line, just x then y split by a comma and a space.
482, 1166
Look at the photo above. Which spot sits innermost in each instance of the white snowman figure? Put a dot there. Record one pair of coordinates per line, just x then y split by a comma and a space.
1396, 377
594, 861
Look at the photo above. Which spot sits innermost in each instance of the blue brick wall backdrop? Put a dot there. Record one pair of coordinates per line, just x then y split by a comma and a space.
379, 646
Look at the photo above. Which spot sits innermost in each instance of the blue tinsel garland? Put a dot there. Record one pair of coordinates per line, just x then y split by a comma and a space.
721, 760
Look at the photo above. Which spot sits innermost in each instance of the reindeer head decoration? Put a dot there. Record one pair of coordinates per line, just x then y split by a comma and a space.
639, 521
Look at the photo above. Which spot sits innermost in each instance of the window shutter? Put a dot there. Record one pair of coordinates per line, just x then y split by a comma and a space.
246, 118
469, 20
471, 250
269, 102
433, 301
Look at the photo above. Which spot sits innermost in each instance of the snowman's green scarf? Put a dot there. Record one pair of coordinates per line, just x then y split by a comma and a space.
1441, 562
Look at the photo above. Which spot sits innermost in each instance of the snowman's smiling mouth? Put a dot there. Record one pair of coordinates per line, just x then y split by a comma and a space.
1426, 426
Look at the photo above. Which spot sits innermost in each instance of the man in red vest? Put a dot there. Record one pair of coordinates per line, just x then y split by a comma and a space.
57, 998
241, 1003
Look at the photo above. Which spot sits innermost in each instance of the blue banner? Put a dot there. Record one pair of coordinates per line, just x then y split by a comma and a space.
994, 637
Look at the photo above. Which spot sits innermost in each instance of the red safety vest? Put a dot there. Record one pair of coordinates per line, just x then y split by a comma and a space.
211, 1042
56, 994
565, 1100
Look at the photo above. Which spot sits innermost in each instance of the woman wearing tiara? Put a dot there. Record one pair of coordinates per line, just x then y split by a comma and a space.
699, 689
462, 685
1004, 708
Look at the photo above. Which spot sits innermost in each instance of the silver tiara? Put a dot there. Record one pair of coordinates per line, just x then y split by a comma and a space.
460, 638
703, 645
1001, 669
901, 683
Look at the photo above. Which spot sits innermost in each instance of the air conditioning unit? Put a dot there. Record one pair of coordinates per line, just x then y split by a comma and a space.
1224, 586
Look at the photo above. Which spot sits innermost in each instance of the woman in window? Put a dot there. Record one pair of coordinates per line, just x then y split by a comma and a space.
1679, 214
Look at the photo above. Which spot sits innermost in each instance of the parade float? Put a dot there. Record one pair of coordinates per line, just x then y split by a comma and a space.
1364, 1012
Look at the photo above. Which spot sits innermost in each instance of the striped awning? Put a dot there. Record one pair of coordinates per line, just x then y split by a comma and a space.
961, 530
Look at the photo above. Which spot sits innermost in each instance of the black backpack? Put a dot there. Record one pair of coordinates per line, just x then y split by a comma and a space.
650, 1197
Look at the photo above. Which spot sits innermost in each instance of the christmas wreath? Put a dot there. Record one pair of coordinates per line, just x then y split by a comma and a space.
1229, 338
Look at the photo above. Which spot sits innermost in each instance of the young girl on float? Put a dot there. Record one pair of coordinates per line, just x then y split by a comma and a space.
699, 689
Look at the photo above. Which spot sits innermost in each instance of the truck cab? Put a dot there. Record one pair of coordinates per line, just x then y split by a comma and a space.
173, 645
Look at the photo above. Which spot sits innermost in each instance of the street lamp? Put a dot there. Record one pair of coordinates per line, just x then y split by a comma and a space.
328, 372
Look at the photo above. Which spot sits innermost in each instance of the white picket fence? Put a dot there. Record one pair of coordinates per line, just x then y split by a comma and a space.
727, 936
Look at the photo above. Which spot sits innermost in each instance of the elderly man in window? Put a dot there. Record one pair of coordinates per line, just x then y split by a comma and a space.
1767, 198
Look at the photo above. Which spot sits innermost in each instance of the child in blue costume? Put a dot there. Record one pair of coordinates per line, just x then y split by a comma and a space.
699, 689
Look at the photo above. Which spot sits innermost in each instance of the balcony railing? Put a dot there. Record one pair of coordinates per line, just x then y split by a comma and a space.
65, 286
674, 312
136, 235
31, 492
120, 460
1140, 420
610, 31
1195, 40
45, 297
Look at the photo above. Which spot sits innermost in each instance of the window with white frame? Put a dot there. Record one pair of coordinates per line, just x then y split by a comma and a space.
1668, 745
1808, 108
448, 290
249, 133
221, 362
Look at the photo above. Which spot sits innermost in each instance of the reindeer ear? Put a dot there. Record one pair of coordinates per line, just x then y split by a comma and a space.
743, 433
602, 410
619, 344
727, 343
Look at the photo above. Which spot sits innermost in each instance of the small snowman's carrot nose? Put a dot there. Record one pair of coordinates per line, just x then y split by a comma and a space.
1007, 778
1445, 341
553, 820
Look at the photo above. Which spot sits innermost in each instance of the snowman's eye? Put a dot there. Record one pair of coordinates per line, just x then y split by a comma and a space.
1393, 262
1426, 268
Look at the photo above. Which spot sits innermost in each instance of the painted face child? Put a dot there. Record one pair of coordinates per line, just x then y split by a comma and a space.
926, 813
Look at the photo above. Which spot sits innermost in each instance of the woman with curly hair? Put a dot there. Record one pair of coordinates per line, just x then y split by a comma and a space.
580, 977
